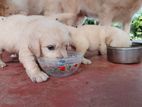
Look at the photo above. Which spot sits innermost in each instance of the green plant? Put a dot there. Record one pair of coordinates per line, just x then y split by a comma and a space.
136, 27
89, 21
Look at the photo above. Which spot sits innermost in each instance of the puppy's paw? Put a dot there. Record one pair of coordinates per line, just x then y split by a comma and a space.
86, 61
103, 52
2, 64
39, 77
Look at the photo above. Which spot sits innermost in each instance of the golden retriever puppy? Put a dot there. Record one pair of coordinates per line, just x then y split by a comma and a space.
106, 11
97, 38
32, 37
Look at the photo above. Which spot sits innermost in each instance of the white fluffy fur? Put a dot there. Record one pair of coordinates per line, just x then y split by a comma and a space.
29, 37
97, 38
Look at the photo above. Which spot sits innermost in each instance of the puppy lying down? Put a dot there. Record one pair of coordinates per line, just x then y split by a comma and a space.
31, 37
97, 38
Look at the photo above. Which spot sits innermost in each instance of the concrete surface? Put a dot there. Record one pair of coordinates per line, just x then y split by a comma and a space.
101, 84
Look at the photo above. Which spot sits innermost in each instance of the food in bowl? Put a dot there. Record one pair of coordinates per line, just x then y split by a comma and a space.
126, 55
61, 67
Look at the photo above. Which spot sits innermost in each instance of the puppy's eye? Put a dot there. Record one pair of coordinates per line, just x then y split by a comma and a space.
51, 47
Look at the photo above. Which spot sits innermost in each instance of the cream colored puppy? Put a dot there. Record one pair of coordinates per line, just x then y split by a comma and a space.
31, 37
107, 11
97, 38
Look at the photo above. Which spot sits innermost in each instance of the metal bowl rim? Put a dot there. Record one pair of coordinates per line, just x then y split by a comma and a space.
124, 48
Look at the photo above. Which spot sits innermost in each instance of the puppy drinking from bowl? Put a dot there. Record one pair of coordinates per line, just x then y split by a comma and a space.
31, 37
97, 38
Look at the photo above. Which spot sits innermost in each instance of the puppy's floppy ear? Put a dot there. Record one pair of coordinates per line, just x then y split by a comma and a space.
35, 47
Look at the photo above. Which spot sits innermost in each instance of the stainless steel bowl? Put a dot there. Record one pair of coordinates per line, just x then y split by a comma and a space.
126, 55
